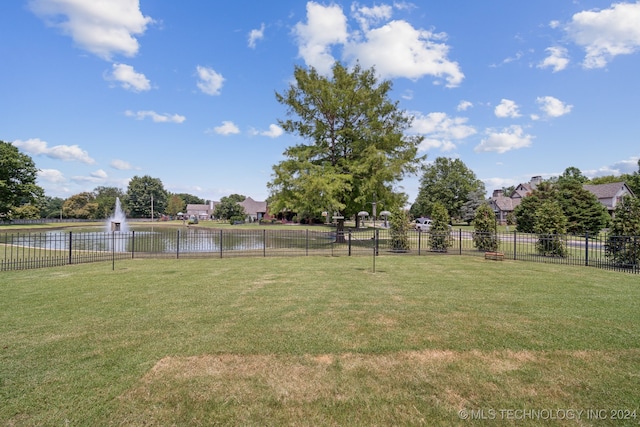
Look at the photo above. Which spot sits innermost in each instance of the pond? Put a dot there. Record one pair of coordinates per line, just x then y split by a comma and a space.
168, 240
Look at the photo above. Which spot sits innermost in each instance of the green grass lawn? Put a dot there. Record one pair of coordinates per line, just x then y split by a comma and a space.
319, 341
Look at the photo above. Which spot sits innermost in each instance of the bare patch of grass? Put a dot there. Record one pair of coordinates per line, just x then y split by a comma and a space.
436, 384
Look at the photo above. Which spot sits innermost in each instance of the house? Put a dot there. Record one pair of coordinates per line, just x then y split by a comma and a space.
503, 205
201, 211
254, 210
608, 194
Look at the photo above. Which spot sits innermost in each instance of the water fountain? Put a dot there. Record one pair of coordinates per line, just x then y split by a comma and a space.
118, 220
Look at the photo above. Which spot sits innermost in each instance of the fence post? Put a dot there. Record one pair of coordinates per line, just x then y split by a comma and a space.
419, 240
460, 239
586, 249
70, 243
221, 243
306, 244
264, 243
349, 242
515, 242
178, 245
133, 243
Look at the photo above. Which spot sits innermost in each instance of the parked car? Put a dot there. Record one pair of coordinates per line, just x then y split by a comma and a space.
422, 224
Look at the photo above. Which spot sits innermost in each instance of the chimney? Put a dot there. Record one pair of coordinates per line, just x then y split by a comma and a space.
497, 193
535, 180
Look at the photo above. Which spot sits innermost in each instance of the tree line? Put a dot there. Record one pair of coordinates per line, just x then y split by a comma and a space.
22, 198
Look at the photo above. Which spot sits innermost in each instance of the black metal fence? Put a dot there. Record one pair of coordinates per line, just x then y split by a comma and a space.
25, 250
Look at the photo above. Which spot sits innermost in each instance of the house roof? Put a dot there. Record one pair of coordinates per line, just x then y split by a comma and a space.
253, 207
505, 204
607, 191
194, 207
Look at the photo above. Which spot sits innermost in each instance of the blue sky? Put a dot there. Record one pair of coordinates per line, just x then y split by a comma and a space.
97, 92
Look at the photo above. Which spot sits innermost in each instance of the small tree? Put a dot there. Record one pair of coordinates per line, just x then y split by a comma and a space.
439, 233
474, 200
229, 208
550, 225
176, 205
26, 212
399, 231
484, 235
623, 242
82, 205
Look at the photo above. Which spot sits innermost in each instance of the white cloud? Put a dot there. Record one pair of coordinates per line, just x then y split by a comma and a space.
51, 175
120, 165
100, 174
103, 28
627, 166
397, 49
606, 33
255, 35
129, 79
210, 81
507, 109
440, 130
464, 105
511, 138
227, 128
367, 16
326, 26
553, 107
156, 117
557, 59
623, 166
37, 147
273, 132
394, 48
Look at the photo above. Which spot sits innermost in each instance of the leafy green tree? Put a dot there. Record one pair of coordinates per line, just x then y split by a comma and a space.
82, 205
140, 193
354, 144
399, 230
26, 212
550, 225
189, 199
229, 209
525, 212
485, 236
623, 241
440, 232
584, 212
106, 200
18, 175
51, 207
573, 174
175, 205
448, 182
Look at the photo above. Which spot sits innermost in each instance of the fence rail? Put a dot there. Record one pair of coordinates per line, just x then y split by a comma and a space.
26, 250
